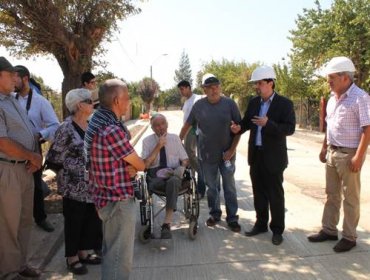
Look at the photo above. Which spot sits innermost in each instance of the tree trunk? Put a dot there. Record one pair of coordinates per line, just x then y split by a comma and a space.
72, 68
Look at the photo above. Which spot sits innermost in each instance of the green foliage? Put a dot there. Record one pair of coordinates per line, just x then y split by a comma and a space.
233, 75
343, 30
184, 71
147, 89
70, 30
101, 77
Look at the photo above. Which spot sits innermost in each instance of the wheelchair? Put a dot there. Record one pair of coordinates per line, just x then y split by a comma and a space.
147, 211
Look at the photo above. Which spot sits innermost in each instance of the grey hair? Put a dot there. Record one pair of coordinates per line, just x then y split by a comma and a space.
109, 90
74, 97
351, 75
156, 116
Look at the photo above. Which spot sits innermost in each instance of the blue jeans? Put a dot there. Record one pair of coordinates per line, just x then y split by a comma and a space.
119, 220
211, 173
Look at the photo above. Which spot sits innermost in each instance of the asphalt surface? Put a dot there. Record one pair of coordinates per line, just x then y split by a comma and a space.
218, 253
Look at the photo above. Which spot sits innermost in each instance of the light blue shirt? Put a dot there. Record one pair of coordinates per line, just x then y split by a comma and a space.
41, 114
265, 105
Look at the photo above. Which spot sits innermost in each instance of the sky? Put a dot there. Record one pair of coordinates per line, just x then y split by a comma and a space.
239, 30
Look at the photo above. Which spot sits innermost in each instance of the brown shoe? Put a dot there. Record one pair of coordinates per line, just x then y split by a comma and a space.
344, 245
212, 221
321, 237
30, 272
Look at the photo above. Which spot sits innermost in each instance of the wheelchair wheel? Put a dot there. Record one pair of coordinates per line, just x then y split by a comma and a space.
145, 234
193, 229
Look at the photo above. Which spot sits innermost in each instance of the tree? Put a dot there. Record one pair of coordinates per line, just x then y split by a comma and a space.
342, 30
184, 71
147, 89
233, 75
70, 30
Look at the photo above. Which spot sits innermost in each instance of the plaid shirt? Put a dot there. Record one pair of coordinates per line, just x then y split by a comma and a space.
108, 172
347, 116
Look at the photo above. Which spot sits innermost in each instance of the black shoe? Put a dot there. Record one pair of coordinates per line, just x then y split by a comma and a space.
76, 267
321, 237
45, 225
212, 221
255, 230
30, 272
166, 231
277, 239
91, 259
344, 245
234, 226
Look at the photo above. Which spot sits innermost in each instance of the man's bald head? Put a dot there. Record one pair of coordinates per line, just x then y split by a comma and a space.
110, 90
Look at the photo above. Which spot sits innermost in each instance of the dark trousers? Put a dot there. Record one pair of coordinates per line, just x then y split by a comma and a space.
268, 194
38, 198
82, 227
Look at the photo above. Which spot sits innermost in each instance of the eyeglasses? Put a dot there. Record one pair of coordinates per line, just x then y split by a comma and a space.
87, 101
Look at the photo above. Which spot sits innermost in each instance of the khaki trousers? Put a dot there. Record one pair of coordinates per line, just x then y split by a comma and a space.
16, 206
340, 181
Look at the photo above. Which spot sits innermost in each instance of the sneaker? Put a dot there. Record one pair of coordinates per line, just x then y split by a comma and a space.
212, 221
234, 226
166, 231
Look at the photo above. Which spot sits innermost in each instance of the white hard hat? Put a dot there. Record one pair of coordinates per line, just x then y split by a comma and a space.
262, 73
339, 64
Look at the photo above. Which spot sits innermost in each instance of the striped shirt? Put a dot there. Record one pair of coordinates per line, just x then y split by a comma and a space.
108, 174
347, 116
175, 151
15, 125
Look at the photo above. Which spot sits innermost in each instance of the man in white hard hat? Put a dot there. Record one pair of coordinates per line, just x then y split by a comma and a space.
217, 147
270, 118
343, 151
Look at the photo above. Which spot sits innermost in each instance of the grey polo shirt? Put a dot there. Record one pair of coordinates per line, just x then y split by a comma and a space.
14, 124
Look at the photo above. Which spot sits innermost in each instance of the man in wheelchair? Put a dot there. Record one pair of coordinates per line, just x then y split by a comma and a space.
165, 160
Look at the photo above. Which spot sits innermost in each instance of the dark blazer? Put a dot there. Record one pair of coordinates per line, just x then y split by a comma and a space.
281, 122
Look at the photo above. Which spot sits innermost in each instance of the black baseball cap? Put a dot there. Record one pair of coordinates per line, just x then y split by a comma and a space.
209, 79
22, 71
5, 65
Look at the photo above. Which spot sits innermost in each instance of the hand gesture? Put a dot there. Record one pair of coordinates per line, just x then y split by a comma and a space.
235, 128
162, 140
260, 121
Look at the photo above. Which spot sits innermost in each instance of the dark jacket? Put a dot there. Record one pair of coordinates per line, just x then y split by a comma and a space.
281, 123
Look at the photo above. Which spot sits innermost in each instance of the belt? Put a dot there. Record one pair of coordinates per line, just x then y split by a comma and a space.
337, 147
12, 161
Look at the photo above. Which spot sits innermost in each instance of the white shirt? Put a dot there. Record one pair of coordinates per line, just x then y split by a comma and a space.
188, 105
175, 151
41, 114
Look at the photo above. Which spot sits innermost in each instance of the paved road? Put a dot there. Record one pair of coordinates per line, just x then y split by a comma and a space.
220, 254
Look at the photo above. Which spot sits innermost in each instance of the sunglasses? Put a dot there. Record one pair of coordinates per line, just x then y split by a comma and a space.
87, 101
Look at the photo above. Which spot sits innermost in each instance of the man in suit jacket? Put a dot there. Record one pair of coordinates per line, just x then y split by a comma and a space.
270, 118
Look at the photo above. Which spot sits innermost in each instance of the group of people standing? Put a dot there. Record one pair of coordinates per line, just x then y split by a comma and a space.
95, 163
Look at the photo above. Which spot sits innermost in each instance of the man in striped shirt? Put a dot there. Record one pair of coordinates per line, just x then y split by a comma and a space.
343, 151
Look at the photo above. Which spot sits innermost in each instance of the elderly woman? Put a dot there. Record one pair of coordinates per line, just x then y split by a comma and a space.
82, 226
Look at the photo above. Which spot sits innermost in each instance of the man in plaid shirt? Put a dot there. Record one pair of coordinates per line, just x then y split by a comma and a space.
112, 161
343, 151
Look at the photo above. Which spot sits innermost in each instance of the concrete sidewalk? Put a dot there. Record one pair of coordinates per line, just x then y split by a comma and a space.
218, 253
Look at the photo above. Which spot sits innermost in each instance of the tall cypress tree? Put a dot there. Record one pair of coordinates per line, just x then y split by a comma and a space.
184, 70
